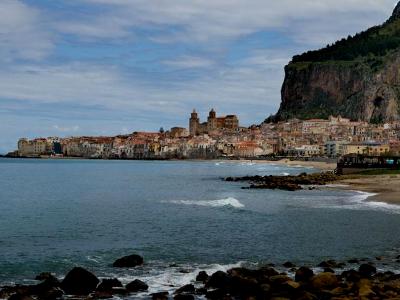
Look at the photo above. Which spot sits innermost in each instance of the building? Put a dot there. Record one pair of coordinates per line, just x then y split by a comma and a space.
366, 148
334, 149
229, 122
35, 147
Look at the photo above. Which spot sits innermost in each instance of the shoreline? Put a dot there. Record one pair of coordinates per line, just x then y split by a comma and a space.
386, 188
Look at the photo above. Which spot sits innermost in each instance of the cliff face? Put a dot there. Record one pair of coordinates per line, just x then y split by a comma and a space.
357, 78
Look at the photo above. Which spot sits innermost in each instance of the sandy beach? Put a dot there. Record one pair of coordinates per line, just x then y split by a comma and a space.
386, 187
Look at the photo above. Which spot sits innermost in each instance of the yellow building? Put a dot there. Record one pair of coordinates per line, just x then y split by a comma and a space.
366, 148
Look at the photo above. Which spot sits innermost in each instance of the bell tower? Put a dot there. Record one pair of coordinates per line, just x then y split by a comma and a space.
194, 122
212, 120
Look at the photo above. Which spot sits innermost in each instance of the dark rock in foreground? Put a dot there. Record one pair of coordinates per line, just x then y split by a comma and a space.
137, 286
129, 261
79, 282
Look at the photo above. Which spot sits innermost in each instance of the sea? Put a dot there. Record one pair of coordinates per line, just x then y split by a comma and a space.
180, 216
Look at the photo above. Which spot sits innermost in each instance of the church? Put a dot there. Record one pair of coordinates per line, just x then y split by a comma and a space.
229, 122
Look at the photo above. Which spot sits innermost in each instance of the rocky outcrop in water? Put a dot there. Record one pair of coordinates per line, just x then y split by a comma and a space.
357, 78
288, 183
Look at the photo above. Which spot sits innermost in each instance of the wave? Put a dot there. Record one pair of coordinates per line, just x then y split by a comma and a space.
169, 278
232, 202
284, 174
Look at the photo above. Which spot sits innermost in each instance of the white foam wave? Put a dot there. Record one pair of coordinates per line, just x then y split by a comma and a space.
285, 174
211, 203
171, 278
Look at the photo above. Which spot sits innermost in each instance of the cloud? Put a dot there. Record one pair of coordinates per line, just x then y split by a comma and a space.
203, 21
189, 62
22, 33
62, 129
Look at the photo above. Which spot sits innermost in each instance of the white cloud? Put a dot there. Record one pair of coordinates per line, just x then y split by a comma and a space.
202, 21
22, 35
189, 62
64, 129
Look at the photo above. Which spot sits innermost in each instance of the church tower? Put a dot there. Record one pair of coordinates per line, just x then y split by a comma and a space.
212, 120
194, 123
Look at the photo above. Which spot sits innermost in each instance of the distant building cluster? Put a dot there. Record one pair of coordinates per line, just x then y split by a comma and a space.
223, 137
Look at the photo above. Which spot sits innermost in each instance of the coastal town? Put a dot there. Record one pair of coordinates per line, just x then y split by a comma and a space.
223, 137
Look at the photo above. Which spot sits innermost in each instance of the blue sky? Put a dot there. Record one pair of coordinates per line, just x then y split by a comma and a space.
104, 67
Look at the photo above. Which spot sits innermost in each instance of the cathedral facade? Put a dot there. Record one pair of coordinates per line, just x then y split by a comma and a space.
229, 122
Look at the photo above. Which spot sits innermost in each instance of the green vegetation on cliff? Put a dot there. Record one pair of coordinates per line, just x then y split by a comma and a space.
370, 46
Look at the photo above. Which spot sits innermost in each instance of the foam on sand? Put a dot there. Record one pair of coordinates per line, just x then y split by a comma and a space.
232, 202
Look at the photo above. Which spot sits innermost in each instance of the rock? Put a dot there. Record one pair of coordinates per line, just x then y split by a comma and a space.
108, 284
102, 295
353, 261
160, 296
219, 280
79, 282
186, 289
304, 274
17, 296
365, 289
217, 294
324, 281
289, 264
45, 276
137, 286
53, 293
183, 297
202, 276
129, 261
119, 291
367, 270
328, 264
351, 275
329, 270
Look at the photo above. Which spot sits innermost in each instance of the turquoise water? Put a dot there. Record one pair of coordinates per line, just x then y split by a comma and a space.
55, 214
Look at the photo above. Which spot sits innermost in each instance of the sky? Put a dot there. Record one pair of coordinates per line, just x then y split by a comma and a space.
107, 67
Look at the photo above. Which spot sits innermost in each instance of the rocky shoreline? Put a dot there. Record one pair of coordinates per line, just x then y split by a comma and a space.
335, 281
288, 183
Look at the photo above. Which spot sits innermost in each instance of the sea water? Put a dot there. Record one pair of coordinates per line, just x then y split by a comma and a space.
179, 215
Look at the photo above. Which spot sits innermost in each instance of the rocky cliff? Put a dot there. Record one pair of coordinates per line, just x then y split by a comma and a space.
357, 77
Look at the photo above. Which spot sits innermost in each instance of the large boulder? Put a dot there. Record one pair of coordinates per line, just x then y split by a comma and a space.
324, 281
202, 276
186, 289
129, 261
367, 270
79, 282
304, 274
219, 279
137, 286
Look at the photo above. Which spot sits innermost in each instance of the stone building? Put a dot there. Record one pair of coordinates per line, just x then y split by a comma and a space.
229, 122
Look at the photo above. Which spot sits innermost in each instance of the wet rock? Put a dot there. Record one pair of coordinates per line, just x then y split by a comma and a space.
367, 270
129, 261
351, 275
353, 261
51, 294
160, 296
186, 289
219, 280
18, 296
328, 264
108, 284
304, 274
79, 282
119, 291
329, 270
46, 276
289, 264
324, 281
137, 286
183, 297
217, 294
202, 276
